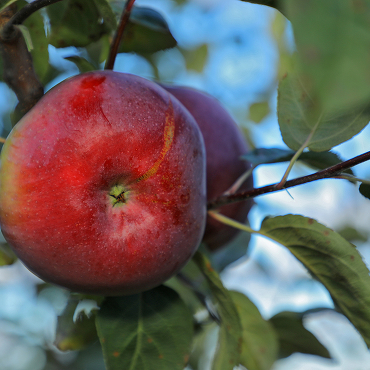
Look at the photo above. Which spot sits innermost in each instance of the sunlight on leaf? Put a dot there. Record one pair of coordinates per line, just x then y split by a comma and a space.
299, 119
333, 42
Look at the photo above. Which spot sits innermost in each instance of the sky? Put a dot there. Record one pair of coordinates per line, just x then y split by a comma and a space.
240, 70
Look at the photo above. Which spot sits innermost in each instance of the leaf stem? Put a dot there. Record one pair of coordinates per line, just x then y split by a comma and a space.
118, 35
294, 159
21, 15
330, 172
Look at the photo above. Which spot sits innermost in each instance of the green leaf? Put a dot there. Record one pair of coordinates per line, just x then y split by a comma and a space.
148, 331
82, 64
317, 160
72, 336
301, 124
294, 337
34, 27
106, 12
230, 253
259, 344
365, 190
7, 256
146, 32
230, 334
78, 22
197, 58
333, 42
259, 111
98, 51
334, 261
351, 234
4, 4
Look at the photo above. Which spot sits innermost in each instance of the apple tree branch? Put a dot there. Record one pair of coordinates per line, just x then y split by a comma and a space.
330, 172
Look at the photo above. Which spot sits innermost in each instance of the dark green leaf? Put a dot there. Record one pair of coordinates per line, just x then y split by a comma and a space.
259, 344
186, 293
294, 337
230, 335
72, 336
7, 257
333, 42
146, 32
302, 124
50, 74
230, 253
106, 13
148, 331
334, 261
317, 160
82, 64
365, 190
78, 22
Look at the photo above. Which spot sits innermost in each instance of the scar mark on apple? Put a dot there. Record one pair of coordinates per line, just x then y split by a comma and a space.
168, 135
105, 117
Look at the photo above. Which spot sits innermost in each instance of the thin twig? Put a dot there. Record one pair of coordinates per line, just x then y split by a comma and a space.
23, 14
118, 35
330, 172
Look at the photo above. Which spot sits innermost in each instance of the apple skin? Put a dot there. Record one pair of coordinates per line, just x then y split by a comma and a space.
225, 144
63, 171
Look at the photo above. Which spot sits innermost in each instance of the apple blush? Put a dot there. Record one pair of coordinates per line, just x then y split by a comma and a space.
224, 144
102, 185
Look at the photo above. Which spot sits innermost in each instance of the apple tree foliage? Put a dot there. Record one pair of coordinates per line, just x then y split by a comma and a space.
323, 100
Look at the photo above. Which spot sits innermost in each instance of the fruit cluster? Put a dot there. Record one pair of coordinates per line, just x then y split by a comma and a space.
104, 183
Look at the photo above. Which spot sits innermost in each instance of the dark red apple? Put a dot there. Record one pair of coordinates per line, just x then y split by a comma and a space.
225, 144
102, 185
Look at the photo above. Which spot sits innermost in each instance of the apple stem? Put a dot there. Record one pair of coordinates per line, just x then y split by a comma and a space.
118, 35
330, 172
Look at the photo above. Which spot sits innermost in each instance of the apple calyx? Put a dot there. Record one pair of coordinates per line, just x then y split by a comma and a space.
118, 195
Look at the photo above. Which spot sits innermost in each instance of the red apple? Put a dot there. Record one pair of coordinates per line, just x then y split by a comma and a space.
102, 185
225, 144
